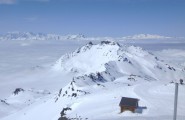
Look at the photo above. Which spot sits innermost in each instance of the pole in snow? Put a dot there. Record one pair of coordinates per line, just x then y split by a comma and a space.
175, 102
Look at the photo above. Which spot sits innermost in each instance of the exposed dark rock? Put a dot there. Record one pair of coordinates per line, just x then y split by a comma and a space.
159, 67
90, 43
97, 77
72, 89
60, 91
74, 70
109, 43
17, 90
3, 101
101, 85
126, 60
105, 42
81, 91
171, 68
63, 113
74, 95
156, 58
63, 118
131, 79
181, 81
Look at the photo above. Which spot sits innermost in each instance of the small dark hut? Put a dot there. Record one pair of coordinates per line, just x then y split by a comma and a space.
128, 104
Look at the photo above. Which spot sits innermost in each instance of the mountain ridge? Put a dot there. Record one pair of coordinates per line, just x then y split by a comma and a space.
44, 36
113, 58
38, 36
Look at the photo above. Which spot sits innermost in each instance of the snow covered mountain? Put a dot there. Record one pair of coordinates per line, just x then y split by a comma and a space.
145, 36
112, 59
100, 74
42, 36
38, 36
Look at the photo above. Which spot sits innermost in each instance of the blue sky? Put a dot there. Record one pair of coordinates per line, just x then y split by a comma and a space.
94, 17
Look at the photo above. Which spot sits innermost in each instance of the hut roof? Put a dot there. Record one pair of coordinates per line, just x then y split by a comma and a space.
130, 102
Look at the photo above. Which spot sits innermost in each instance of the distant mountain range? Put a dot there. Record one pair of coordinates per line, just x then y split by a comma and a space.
42, 36
37, 36
146, 36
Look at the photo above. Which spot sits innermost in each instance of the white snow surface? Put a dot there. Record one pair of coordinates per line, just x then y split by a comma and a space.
91, 80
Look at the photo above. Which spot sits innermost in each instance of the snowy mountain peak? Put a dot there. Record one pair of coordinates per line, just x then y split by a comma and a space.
103, 44
89, 58
110, 60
